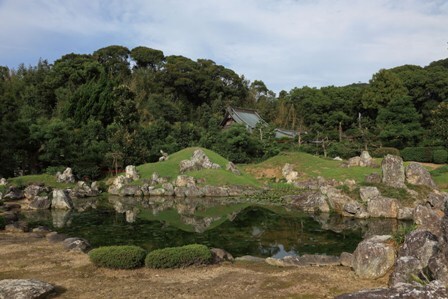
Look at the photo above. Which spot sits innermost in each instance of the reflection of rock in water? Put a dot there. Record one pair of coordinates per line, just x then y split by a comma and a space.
83, 204
123, 204
199, 224
61, 218
233, 215
256, 231
131, 215
369, 227
185, 208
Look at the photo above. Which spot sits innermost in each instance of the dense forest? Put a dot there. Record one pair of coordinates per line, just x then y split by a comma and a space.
116, 106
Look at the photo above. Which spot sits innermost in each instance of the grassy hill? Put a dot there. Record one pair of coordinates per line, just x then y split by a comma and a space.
170, 168
308, 166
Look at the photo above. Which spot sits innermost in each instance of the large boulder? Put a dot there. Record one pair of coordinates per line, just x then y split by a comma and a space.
368, 193
383, 207
76, 244
311, 202
393, 171
437, 200
34, 190
416, 174
61, 200
65, 177
185, 181
336, 198
13, 193
365, 160
405, 270
429, 219
420, 244
198, 161
131, 173
40, 203
374, 257
289, 174
24, 289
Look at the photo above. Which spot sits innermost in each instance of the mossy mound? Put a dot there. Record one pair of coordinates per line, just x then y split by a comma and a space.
179, 257
118, 257
214, 177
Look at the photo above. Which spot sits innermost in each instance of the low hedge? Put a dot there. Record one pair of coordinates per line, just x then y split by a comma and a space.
383, 151
440, 156
118, 257
179, 257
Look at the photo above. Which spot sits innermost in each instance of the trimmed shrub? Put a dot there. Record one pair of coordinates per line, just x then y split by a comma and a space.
417, 154
342, 149
179, 257
118, 257
383, 151
440, 156
2, 222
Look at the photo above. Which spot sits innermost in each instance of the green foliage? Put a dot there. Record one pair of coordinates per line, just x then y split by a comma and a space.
179, 257
400, 234
417, 154
383, 151
440, 156
52, 170
118, 257
439, 171
344, 150
2, 222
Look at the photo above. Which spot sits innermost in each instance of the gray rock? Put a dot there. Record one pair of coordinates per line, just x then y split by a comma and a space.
437, 200
61, 200
169, 189
118, 183
406, 268
131, 190
373, 257
355, 209
428, 219
40, 203
65, 177
13, 193
185, 181
373, 178
157, 192
354, 161
17, 227
393, 171
421, 245
418, 175
198, 161
24, 289
289, 174
3, 182
193, 191
336, 198
232, 168
368, 193
346, 259
405, 213
383, 207
405, 291
220, 255
131, 173
76, 244
31, 191
365, 160
83, 190
214, 191
351, 184
438, 267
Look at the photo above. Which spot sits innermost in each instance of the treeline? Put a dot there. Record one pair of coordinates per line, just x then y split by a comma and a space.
117, 106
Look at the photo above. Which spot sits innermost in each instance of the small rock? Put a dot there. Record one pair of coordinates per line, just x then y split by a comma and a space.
405, 213
368, 193
337, 158
289, 174
24, 289
131, 173
346, 259
3, 182
232, 168
185, 181
220, 255
76, 244
373, 178
65, 177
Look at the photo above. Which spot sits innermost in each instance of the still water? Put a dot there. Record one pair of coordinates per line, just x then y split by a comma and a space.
240, 228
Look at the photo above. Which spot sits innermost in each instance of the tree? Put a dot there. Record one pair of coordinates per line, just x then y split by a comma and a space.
399, 124
147, 58
439, 123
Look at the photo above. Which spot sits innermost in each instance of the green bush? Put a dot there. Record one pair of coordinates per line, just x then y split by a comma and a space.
417, 154
383, 151
52, 170
118, 257
342, 149
178, 257
440, 156
2, 222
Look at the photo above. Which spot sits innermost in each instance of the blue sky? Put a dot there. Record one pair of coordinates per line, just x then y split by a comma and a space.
285, 43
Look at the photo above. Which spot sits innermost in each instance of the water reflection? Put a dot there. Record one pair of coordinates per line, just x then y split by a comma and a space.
240, 228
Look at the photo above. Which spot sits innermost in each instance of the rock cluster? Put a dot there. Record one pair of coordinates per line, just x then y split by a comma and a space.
364, 160
198, 161
66, 176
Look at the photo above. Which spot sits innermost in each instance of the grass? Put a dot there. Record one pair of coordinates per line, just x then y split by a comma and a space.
440, 176
48, 180
215, 177
310, 166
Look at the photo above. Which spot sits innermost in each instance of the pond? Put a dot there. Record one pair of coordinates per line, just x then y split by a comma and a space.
240, 228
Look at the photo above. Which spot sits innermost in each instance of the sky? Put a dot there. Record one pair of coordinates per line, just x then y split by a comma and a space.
284, 43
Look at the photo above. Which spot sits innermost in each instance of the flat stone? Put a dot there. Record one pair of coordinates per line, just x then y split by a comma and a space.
24, 289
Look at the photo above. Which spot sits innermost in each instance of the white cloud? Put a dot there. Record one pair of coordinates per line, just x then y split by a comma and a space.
285, 43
